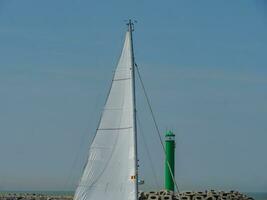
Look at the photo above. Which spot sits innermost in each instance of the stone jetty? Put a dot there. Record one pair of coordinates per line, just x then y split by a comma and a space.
33, 196
207, 195
152, 195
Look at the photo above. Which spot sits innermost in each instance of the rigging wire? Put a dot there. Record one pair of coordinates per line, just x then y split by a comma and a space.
147, 150
156, 125
70, 176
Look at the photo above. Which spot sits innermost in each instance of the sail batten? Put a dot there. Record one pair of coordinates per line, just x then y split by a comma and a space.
111, 129
110, 172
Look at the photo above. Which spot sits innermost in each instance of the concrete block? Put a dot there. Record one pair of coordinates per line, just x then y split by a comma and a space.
198, 197
185, 197
153, 197
210, 197
176, 197
162, 192
166, 197
203, 194
152, 192
189, 193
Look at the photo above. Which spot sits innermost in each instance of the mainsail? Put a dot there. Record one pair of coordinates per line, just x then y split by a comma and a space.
111, 170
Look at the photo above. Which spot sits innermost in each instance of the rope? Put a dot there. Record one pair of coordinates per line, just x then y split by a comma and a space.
147, 150
156, 125
70, 176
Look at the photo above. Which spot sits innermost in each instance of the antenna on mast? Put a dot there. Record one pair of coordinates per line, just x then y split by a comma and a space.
130, 25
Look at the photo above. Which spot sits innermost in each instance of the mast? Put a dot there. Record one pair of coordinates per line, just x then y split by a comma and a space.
131, 29
111, 169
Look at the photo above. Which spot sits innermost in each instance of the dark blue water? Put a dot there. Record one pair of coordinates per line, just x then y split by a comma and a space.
41, 192
258, 195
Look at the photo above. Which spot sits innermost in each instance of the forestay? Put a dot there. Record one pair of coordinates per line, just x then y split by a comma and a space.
110, 173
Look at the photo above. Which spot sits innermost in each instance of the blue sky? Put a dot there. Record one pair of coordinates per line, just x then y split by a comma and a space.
203, 63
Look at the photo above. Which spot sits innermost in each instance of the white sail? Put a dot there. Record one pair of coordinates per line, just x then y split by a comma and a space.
110, 173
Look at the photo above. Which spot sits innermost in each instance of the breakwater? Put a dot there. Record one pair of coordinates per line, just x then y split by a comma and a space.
206, 195
151, 195
34, 196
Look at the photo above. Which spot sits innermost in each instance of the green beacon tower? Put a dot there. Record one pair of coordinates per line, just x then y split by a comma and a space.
169, 160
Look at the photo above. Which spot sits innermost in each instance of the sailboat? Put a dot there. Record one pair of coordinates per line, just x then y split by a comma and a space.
111, 171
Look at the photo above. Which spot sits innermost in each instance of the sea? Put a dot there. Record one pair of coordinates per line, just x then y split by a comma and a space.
257, 195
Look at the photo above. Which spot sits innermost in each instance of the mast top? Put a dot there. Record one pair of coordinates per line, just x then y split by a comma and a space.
130, 25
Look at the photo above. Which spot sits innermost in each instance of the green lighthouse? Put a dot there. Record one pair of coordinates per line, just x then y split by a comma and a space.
169, 160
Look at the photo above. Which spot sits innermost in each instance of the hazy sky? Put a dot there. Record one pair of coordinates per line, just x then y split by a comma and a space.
204, 64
